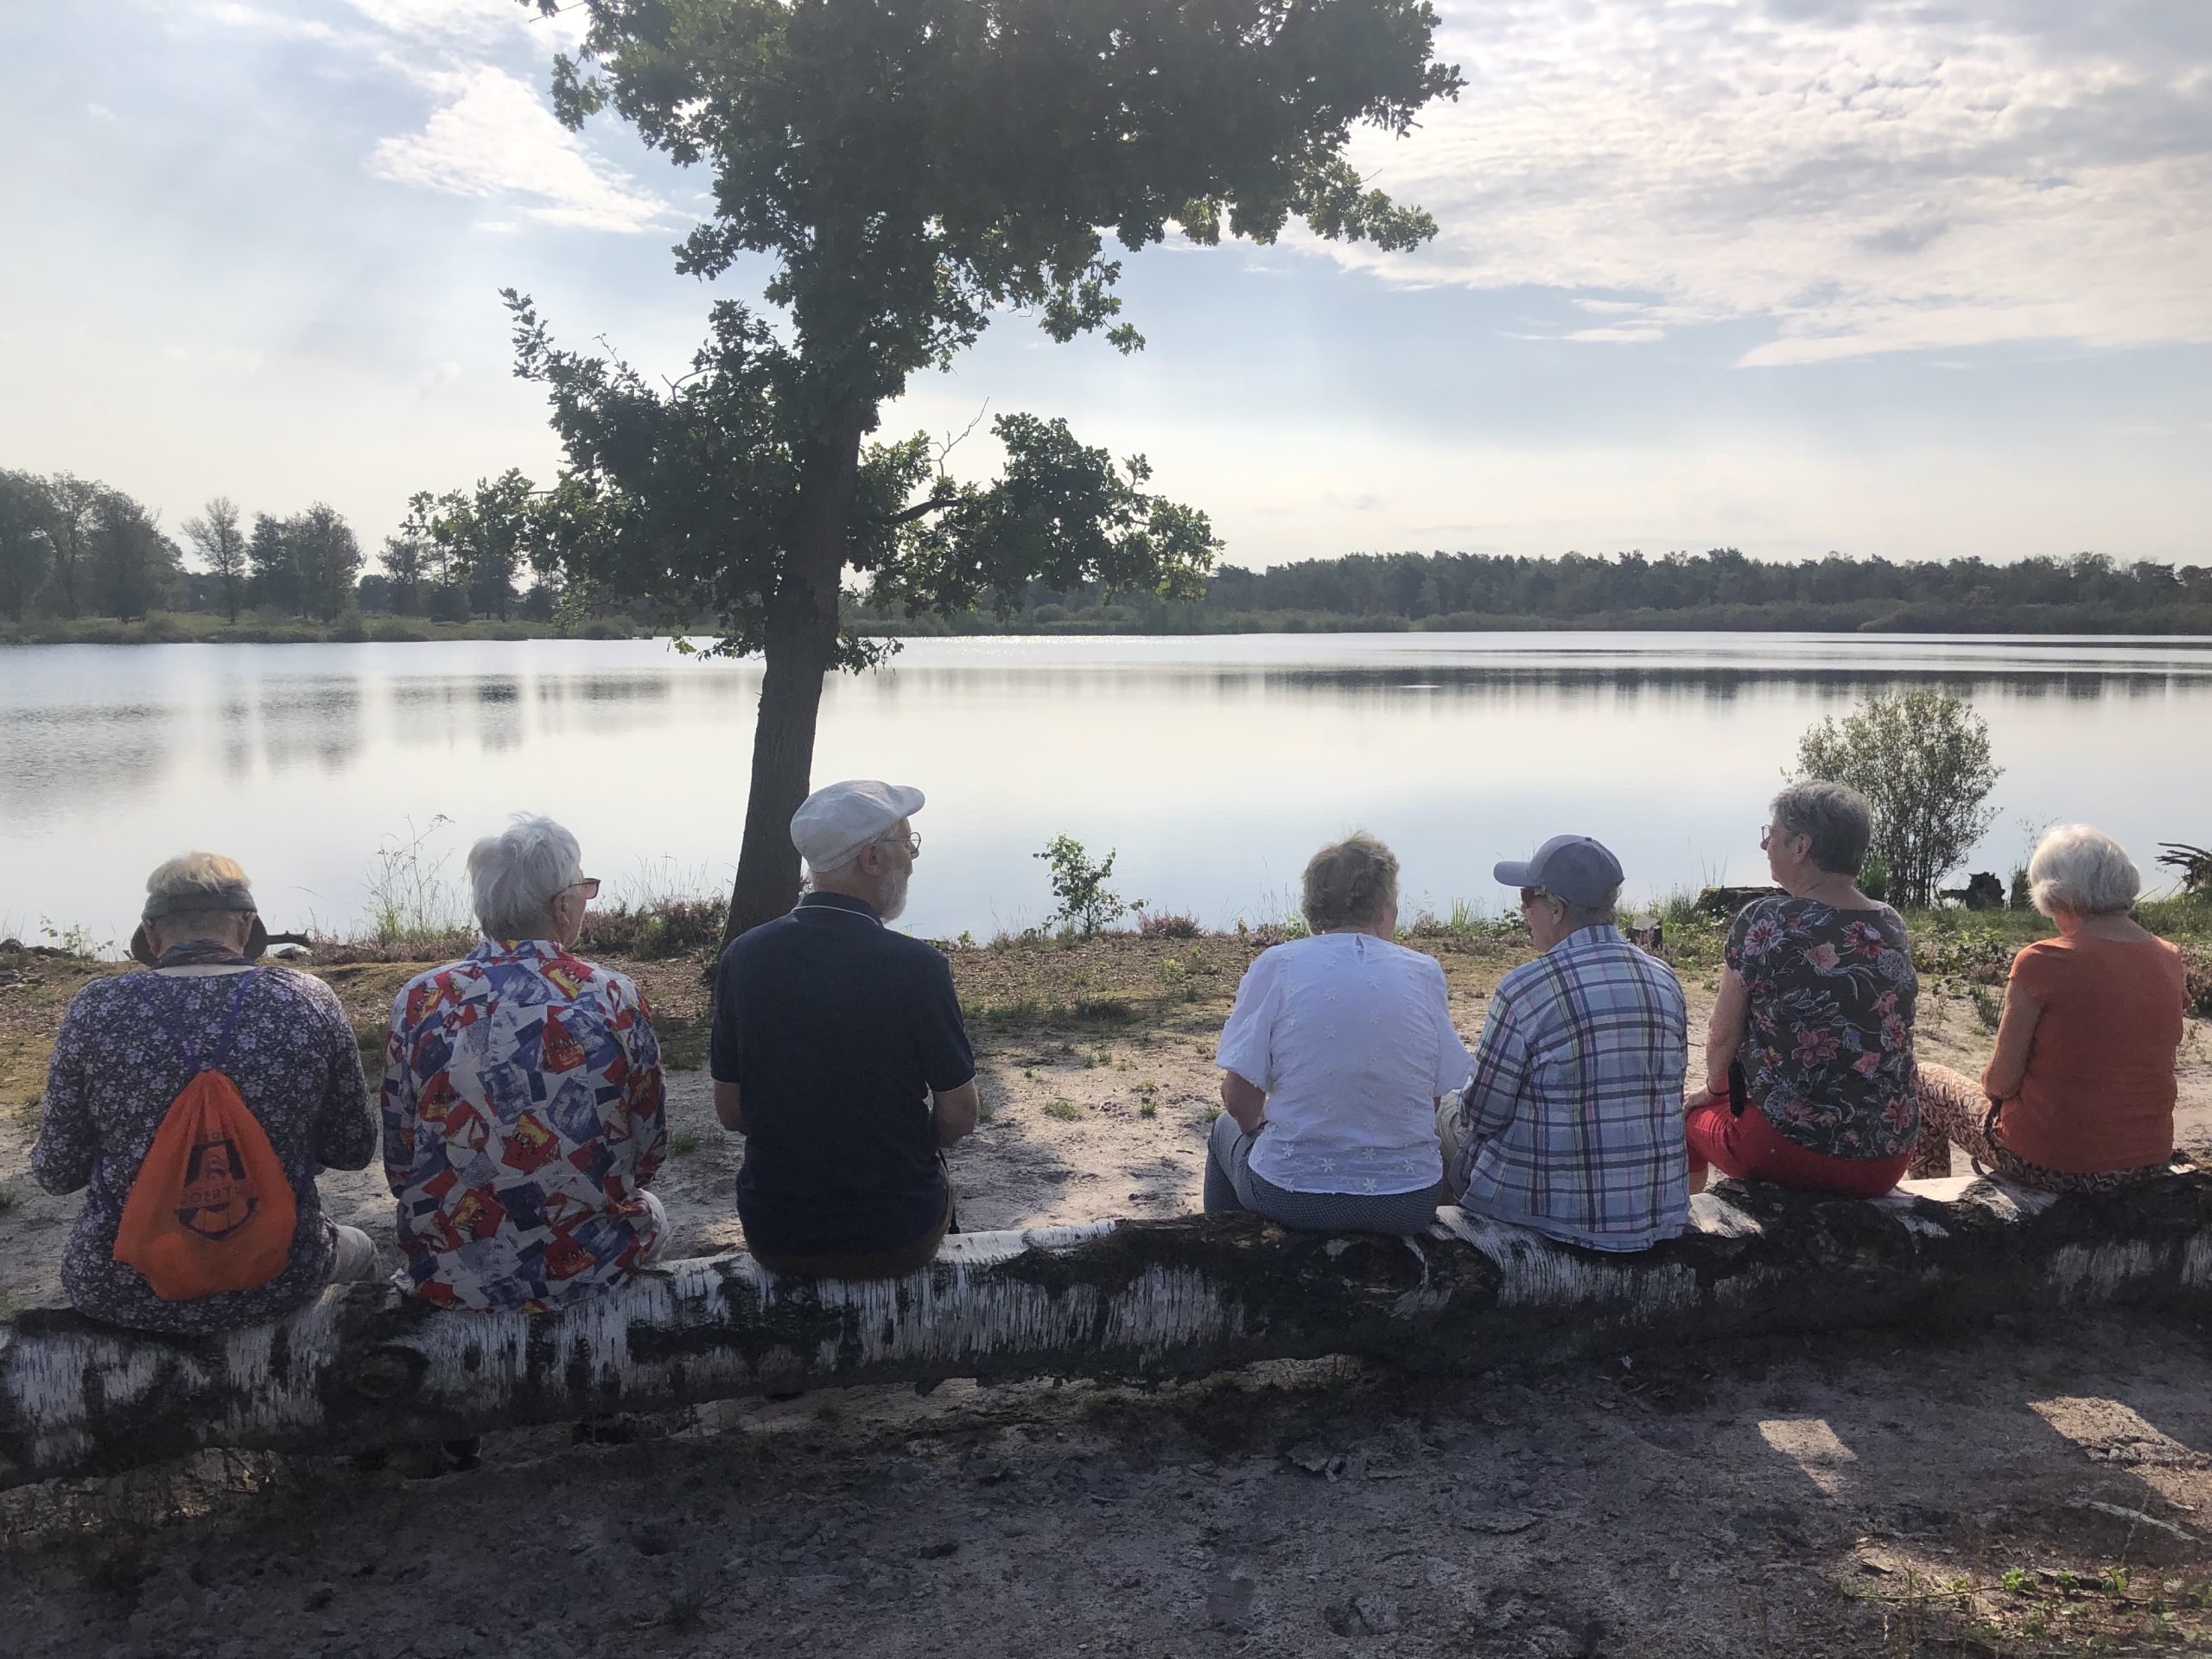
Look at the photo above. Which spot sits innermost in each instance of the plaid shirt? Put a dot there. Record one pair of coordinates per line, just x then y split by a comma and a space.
1572, 1121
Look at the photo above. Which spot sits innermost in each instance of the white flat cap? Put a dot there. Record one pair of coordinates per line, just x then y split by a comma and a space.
839, 819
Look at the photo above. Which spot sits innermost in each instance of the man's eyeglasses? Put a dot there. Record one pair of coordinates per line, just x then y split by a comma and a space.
912, 840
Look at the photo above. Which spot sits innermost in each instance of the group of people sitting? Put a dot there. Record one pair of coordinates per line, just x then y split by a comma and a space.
523, 1119
1349, 1102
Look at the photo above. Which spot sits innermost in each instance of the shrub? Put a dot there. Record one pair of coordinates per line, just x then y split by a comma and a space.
1874, 877
2197, 976
1086, 903
1922, 760
1167, 924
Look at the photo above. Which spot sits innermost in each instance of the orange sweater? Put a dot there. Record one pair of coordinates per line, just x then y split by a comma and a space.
2099, 1092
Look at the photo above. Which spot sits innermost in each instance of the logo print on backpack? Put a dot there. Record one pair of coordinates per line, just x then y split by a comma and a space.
216, 1199
212, 1208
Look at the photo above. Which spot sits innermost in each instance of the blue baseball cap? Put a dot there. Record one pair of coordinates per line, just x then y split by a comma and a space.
1573, 868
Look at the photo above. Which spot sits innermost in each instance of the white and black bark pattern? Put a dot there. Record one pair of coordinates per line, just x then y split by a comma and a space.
365, 1367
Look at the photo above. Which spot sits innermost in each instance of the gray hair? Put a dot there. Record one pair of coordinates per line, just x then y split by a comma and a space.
177, 882
515, 876
2083, 872
1578, 916
846, 865
1836, 818
1349, 882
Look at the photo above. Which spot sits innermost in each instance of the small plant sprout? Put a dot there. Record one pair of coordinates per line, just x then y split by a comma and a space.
1086, 904
1065, 1110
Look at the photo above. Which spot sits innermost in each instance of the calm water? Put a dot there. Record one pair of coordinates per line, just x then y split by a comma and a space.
1214, 766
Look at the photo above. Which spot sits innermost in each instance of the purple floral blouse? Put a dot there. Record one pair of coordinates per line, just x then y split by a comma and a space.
116, 1067
1829, 1056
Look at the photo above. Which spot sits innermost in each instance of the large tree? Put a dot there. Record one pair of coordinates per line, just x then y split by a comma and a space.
134, 567
910, 167
216, 534
409, 556
484, 535
26, 514
273, 579
70, 528
326, 556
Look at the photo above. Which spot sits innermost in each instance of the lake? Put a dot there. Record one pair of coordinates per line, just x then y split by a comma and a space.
1213, 767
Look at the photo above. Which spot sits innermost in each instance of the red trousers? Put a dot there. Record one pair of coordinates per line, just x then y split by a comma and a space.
1750, 1148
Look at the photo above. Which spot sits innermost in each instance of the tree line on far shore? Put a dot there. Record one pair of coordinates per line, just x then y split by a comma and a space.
1723, 588
72, 548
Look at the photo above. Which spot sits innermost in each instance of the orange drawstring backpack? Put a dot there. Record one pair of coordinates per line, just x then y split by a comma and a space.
211, 1208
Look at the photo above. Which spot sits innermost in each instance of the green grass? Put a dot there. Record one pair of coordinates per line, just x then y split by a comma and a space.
1065, 1110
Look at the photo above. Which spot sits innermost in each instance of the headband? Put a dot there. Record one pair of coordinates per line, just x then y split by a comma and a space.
232, 896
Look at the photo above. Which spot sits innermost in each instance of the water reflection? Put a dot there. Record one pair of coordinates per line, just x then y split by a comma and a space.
101, 755
304, 720
1214, 766
498, 716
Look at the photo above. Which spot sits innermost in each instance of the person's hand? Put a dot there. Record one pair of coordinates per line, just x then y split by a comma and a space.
1706, 1097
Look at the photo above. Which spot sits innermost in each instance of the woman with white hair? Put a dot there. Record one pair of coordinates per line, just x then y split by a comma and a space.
523, 1114
1332, 1062
2079, 1096
132, 1043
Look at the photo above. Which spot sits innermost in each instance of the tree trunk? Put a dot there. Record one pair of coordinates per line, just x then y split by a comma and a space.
366, 1366
800, 647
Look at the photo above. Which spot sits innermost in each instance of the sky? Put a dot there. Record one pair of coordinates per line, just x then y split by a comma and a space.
1914, 278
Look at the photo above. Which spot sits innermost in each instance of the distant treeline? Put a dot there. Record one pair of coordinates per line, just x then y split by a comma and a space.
74, 551
1724, 588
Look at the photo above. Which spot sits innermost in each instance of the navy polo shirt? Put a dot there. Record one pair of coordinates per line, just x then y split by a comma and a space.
836, 1030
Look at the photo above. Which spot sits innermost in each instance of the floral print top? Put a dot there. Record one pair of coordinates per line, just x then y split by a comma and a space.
522, 1124
120, 1063
1828, 1055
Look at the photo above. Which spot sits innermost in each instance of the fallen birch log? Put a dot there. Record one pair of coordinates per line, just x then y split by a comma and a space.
365, 1367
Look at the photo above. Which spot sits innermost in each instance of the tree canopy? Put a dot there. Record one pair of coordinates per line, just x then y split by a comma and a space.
909, 168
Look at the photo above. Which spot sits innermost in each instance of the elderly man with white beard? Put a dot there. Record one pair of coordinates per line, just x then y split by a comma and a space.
839, 1054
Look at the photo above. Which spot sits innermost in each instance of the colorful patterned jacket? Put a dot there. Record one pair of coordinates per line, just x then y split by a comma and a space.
523, 1121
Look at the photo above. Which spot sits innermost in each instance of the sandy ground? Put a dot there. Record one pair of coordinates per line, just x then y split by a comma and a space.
1857, 1494
1895, 1494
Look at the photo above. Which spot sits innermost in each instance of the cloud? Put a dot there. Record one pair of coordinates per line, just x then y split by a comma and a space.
1859, 175
494, 137
260, 20
99, 111
478, 22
